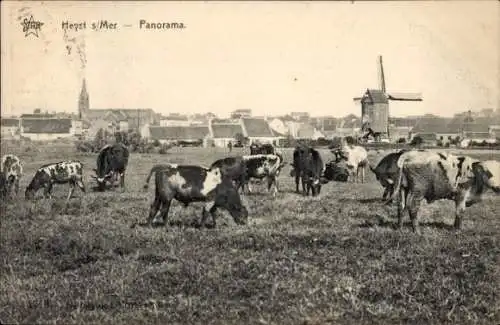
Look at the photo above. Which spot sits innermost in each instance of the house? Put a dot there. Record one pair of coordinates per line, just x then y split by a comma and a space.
300, 116
478, 129
431, 128
278, 126
223, 133
349, 125
175, 120
239, 113
43, 129
10, 127
399, 132
258, 130
494, 131
165, 134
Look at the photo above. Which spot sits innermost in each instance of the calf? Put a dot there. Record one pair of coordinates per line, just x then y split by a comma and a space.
112, 161
434, 176
356, 158
336, 171
186, 184
57, 173
263, 166
241, 169
387, 172
308, 167
12, 170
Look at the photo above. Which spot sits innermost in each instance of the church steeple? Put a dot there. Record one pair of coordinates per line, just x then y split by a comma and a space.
83, 101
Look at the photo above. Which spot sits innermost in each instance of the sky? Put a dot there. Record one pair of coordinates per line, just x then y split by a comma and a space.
271, 57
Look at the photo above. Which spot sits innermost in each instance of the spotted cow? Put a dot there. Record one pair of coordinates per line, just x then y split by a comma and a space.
188, 183
112, 162
57, 173
12, 170
437, 175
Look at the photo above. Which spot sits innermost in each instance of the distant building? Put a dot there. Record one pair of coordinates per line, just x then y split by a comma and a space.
135, 118
239, 113
223, 133
300, 116
258, 130
166, 134
10, 127
40, 129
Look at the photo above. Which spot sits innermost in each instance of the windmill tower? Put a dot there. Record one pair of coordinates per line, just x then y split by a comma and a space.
375, 106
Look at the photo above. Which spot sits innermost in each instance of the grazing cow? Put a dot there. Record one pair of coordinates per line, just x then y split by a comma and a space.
186, 184
57, 173
356, 158
387, 172
12, 170
434, 176
336, 171
112, 161
308, 167
241, 169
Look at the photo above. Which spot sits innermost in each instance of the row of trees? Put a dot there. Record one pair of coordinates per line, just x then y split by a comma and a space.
132, 139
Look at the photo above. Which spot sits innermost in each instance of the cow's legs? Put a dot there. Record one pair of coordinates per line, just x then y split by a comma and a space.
460, 209
81, 185
161, 218
16, 185
48, 190
208, 209
272, 180
122, 181
155, 206
402, 207
297, 181
413, 205
386, 193
305, 184
71, 190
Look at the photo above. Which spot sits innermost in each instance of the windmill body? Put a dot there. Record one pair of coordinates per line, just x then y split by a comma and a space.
375, 107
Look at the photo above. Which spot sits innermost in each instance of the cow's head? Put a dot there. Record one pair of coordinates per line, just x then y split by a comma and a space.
38, 181
484, 178
315, 184
229, 198
102, 178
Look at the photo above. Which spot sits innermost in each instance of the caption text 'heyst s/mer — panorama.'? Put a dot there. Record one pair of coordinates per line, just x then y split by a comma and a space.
104, 24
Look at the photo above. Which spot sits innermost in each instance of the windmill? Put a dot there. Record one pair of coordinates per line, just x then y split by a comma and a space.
375, 106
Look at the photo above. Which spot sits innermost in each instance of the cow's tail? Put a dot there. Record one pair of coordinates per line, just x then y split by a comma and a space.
397, 186
153, 170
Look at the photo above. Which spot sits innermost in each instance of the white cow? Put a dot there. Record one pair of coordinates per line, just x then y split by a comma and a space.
436, 175
356, 158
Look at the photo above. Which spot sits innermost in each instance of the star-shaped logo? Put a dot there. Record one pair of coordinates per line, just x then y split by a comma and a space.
31, 26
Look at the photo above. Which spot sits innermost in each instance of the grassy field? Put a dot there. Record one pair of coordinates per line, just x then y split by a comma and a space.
329, 260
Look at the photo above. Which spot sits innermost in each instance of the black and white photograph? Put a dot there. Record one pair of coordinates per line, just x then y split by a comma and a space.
250, 162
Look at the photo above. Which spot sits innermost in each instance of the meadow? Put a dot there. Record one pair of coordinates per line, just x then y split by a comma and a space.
333, 259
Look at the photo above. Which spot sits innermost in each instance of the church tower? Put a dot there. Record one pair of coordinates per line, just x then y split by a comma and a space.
83, 101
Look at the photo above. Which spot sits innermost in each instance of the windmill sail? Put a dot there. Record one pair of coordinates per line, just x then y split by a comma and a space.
405, 96
381, 74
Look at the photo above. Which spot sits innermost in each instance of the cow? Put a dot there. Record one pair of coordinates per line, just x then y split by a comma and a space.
63, 172
112, 161
435, 175
387, 172
189, 183
12, 169
308, 167
356, 158
242, 168
336, 171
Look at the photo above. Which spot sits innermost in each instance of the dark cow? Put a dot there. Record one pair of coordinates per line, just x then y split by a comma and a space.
308, 167
438, 175
57, 173
12, 170
387, 172
242, 168
186, 184
112, 161
336, 171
